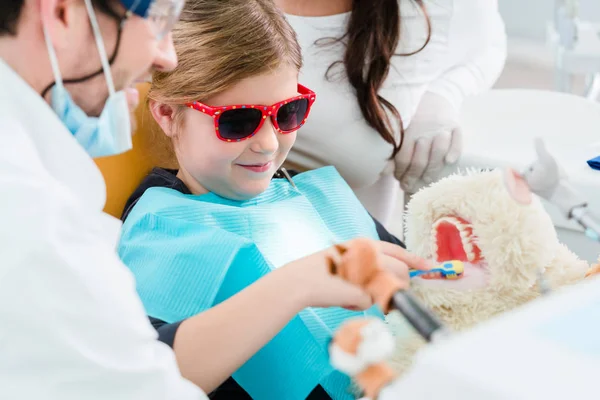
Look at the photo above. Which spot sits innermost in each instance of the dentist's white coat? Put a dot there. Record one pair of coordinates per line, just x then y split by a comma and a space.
71, 324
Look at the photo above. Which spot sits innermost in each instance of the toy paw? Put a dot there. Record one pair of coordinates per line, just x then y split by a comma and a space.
595, 270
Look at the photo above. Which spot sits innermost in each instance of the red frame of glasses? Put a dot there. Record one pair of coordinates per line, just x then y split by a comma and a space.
267, 111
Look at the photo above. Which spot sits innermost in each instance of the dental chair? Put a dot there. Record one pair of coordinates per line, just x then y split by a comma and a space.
499, 129
124, 172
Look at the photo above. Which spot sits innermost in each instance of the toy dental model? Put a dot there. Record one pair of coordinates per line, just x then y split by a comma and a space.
362, 348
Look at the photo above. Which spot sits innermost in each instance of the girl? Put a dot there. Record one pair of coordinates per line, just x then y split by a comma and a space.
220, 223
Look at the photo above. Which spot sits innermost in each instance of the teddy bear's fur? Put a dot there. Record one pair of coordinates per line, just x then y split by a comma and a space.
509, 246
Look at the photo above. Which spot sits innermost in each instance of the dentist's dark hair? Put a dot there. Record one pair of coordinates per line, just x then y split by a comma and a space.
12, 9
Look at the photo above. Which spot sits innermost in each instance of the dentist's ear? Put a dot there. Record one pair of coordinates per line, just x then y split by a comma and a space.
164, 115
59, 16
517, 187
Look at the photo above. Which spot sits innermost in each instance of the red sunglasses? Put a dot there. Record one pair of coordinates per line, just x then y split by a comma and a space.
241, 122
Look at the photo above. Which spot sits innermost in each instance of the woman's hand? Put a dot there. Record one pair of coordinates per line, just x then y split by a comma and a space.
432, 140
311, 276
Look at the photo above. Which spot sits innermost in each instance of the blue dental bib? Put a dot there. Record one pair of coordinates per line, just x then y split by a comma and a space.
191, 252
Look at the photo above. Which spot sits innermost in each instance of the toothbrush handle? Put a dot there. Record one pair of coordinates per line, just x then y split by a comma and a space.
415, 272
359, 265
422, 319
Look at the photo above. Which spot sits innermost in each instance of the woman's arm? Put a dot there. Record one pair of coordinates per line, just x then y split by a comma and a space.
470, 48
477, 48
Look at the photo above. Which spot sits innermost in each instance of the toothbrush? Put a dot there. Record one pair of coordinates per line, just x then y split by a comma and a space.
448, 270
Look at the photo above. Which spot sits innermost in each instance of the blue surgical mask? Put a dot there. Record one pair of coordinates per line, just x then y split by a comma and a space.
101, 136
106, 135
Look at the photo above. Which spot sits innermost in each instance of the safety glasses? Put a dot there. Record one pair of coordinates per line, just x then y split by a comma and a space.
163, 14
240, 122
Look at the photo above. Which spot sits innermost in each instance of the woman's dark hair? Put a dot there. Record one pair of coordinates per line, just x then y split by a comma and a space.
11, 12
372, 36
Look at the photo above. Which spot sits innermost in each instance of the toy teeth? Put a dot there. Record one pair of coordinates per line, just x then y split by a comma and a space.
447, 270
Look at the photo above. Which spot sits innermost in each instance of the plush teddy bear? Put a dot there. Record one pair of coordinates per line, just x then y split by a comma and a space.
505, 247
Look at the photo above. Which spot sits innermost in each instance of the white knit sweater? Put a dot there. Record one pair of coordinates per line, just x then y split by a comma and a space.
465, 56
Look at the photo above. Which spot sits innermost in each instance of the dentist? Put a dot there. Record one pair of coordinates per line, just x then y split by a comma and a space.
71, 324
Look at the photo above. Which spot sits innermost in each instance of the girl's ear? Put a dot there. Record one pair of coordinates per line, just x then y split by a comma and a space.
164, 115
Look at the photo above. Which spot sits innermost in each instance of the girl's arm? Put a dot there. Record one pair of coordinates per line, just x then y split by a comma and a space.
212, 345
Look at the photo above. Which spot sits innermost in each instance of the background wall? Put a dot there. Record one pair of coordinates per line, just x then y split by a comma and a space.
530, 62
526, 19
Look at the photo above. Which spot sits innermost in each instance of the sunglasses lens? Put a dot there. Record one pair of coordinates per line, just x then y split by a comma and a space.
291, 115
239, 124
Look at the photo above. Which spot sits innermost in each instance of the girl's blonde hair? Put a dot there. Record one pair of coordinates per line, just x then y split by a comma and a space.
218, 44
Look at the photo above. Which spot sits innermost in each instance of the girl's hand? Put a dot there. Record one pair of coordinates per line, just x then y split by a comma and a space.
311, 277
399, 261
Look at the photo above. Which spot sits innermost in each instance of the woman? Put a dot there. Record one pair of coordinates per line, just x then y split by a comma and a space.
391, 76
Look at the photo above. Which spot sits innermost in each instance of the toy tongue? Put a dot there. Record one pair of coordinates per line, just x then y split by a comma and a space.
449, 243
454, 240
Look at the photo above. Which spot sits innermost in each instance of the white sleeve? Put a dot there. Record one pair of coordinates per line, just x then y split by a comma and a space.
477, 50
71, 324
